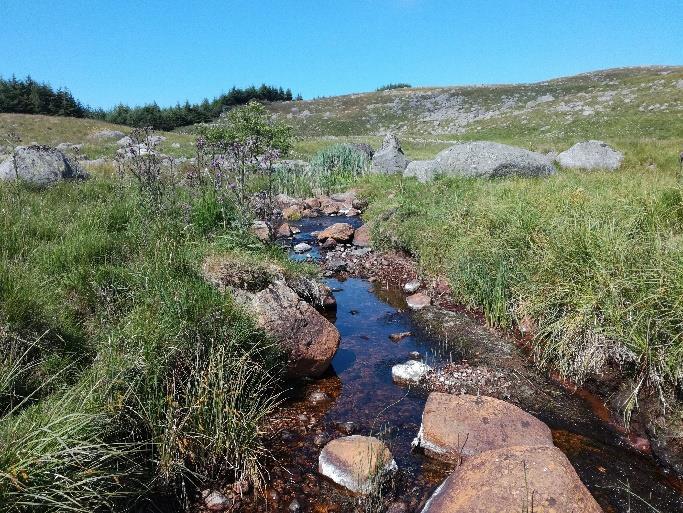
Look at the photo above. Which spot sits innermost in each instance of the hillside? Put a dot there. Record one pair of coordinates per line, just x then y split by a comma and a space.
617, 103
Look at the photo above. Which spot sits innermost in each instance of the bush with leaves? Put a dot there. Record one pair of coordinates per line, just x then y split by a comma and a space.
238, 155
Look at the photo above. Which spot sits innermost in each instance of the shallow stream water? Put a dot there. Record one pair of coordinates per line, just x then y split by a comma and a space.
622, 478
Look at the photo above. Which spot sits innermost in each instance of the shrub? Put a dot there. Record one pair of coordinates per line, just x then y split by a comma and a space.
389, 87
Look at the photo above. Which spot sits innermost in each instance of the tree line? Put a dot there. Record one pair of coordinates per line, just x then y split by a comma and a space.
26, 96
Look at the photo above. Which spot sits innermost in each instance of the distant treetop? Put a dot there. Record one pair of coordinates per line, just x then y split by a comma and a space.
30, 97
388, 87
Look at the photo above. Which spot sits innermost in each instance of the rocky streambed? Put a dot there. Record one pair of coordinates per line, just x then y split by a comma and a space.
396, 363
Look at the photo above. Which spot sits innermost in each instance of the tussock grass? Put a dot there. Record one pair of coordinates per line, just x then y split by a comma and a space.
125, 373
593, 258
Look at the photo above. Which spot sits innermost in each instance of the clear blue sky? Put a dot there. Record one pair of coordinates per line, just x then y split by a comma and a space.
110, 51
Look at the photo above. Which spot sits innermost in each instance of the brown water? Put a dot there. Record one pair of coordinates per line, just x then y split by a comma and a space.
359, 382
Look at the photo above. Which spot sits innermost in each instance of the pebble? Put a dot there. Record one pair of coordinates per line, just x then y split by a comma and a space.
412, 286
346, 428
294, 506
302, 247
318, 397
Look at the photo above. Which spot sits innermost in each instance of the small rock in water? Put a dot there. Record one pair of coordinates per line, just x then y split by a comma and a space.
295, 229
215, 500
415, 355
318, 397
294, 506
409, 372
418, 301
396, 337
411, 287
346, 428
353, 461
329, 244
336, 266
302, 247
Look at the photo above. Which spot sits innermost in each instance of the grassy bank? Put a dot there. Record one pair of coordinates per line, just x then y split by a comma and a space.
124, 376
594, 259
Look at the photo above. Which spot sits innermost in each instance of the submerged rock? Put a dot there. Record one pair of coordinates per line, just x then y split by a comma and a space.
591, 155
454, 426
40, 165
354, 462
482, 159
510, 480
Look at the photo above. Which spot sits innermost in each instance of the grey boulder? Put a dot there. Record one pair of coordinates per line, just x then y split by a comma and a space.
591, 155
389, 159
39, 165
482, 159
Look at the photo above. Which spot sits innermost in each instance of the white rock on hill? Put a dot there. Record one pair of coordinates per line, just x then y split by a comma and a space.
389, 159
482, 159
591, 155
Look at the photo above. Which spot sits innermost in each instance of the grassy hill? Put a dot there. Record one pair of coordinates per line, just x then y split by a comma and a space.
615, 105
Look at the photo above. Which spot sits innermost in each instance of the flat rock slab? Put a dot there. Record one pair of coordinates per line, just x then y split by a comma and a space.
455, 426
341, 232
355, 461
418, 301
591, 155
506, 480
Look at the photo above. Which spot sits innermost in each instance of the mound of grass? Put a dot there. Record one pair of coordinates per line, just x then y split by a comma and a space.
594, 259
125, 376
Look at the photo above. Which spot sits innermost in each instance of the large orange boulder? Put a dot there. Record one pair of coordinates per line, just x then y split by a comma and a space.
456, 426
341, 232
511, 480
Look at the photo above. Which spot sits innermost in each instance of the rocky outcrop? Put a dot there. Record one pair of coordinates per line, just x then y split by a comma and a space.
454, 426
389, 159
341, 232
283, 306
355, 462
510, 480
40, 165
591, 155
482, 159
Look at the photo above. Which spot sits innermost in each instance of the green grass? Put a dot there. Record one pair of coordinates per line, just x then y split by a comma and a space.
53, 130
123, 372
595, 259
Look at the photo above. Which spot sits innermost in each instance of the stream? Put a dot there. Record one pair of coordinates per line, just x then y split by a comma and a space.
364, 400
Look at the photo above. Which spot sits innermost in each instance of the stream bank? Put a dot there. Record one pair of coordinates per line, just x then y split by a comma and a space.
357, 396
